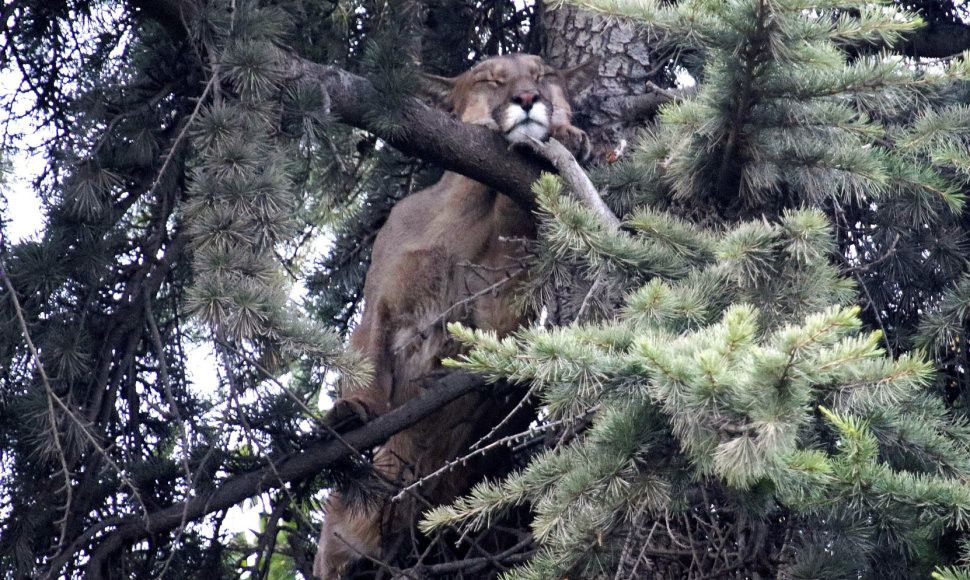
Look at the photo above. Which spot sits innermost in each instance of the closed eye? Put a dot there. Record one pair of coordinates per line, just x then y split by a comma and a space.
494, 83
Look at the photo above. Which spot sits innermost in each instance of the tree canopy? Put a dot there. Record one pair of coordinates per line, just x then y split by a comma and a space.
762, 372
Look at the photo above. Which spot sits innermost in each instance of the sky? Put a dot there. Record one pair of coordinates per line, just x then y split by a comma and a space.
23, 206
26, 220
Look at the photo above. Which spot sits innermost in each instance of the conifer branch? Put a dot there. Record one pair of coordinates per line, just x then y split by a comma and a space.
299, 465
49, 392
472, 150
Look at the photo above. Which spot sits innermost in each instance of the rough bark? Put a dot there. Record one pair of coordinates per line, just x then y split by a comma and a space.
621, 98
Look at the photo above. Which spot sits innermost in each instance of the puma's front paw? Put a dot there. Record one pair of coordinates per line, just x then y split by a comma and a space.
574, 139
346, 415
487, 122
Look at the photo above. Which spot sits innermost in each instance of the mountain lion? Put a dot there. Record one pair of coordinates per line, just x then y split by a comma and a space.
452, 252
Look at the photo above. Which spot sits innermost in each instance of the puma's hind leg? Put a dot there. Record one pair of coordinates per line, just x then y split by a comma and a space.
349, 534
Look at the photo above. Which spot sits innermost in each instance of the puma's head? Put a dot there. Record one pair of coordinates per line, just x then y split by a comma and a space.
517, 94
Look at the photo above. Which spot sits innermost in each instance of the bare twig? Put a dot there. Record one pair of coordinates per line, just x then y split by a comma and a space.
181, 135
889, 253
58, 561
513, 555
577, 180
61, 456
493, 445
467, 300
289, 394
295, 466
840, 216
173, 412
379, 563
508, 417
587, 300
267, 541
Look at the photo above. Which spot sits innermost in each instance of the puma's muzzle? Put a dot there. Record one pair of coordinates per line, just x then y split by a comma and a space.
519, 124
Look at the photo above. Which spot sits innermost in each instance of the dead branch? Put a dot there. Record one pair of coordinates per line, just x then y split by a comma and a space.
579, 184
478, 451
520, 552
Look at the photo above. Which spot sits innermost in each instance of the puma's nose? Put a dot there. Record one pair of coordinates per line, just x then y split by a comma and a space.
525, 99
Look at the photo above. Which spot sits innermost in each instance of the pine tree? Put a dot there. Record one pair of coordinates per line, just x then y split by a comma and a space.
727, 386
744, 421
191, 180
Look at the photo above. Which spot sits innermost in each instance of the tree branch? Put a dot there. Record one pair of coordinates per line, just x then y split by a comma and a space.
579, 183
421, 131
296, 466
432, 135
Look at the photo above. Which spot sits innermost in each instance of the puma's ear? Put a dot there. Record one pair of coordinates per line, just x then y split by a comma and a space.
436, 89
581, 75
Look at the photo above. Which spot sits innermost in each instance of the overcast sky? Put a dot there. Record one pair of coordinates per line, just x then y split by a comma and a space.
23, 205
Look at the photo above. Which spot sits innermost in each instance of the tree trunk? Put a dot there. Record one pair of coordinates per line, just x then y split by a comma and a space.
620, 99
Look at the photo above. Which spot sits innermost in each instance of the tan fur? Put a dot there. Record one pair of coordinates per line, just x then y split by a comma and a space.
451, 252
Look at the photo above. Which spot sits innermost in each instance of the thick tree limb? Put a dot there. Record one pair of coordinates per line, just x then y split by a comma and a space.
645, 106
421, 131
300, 465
